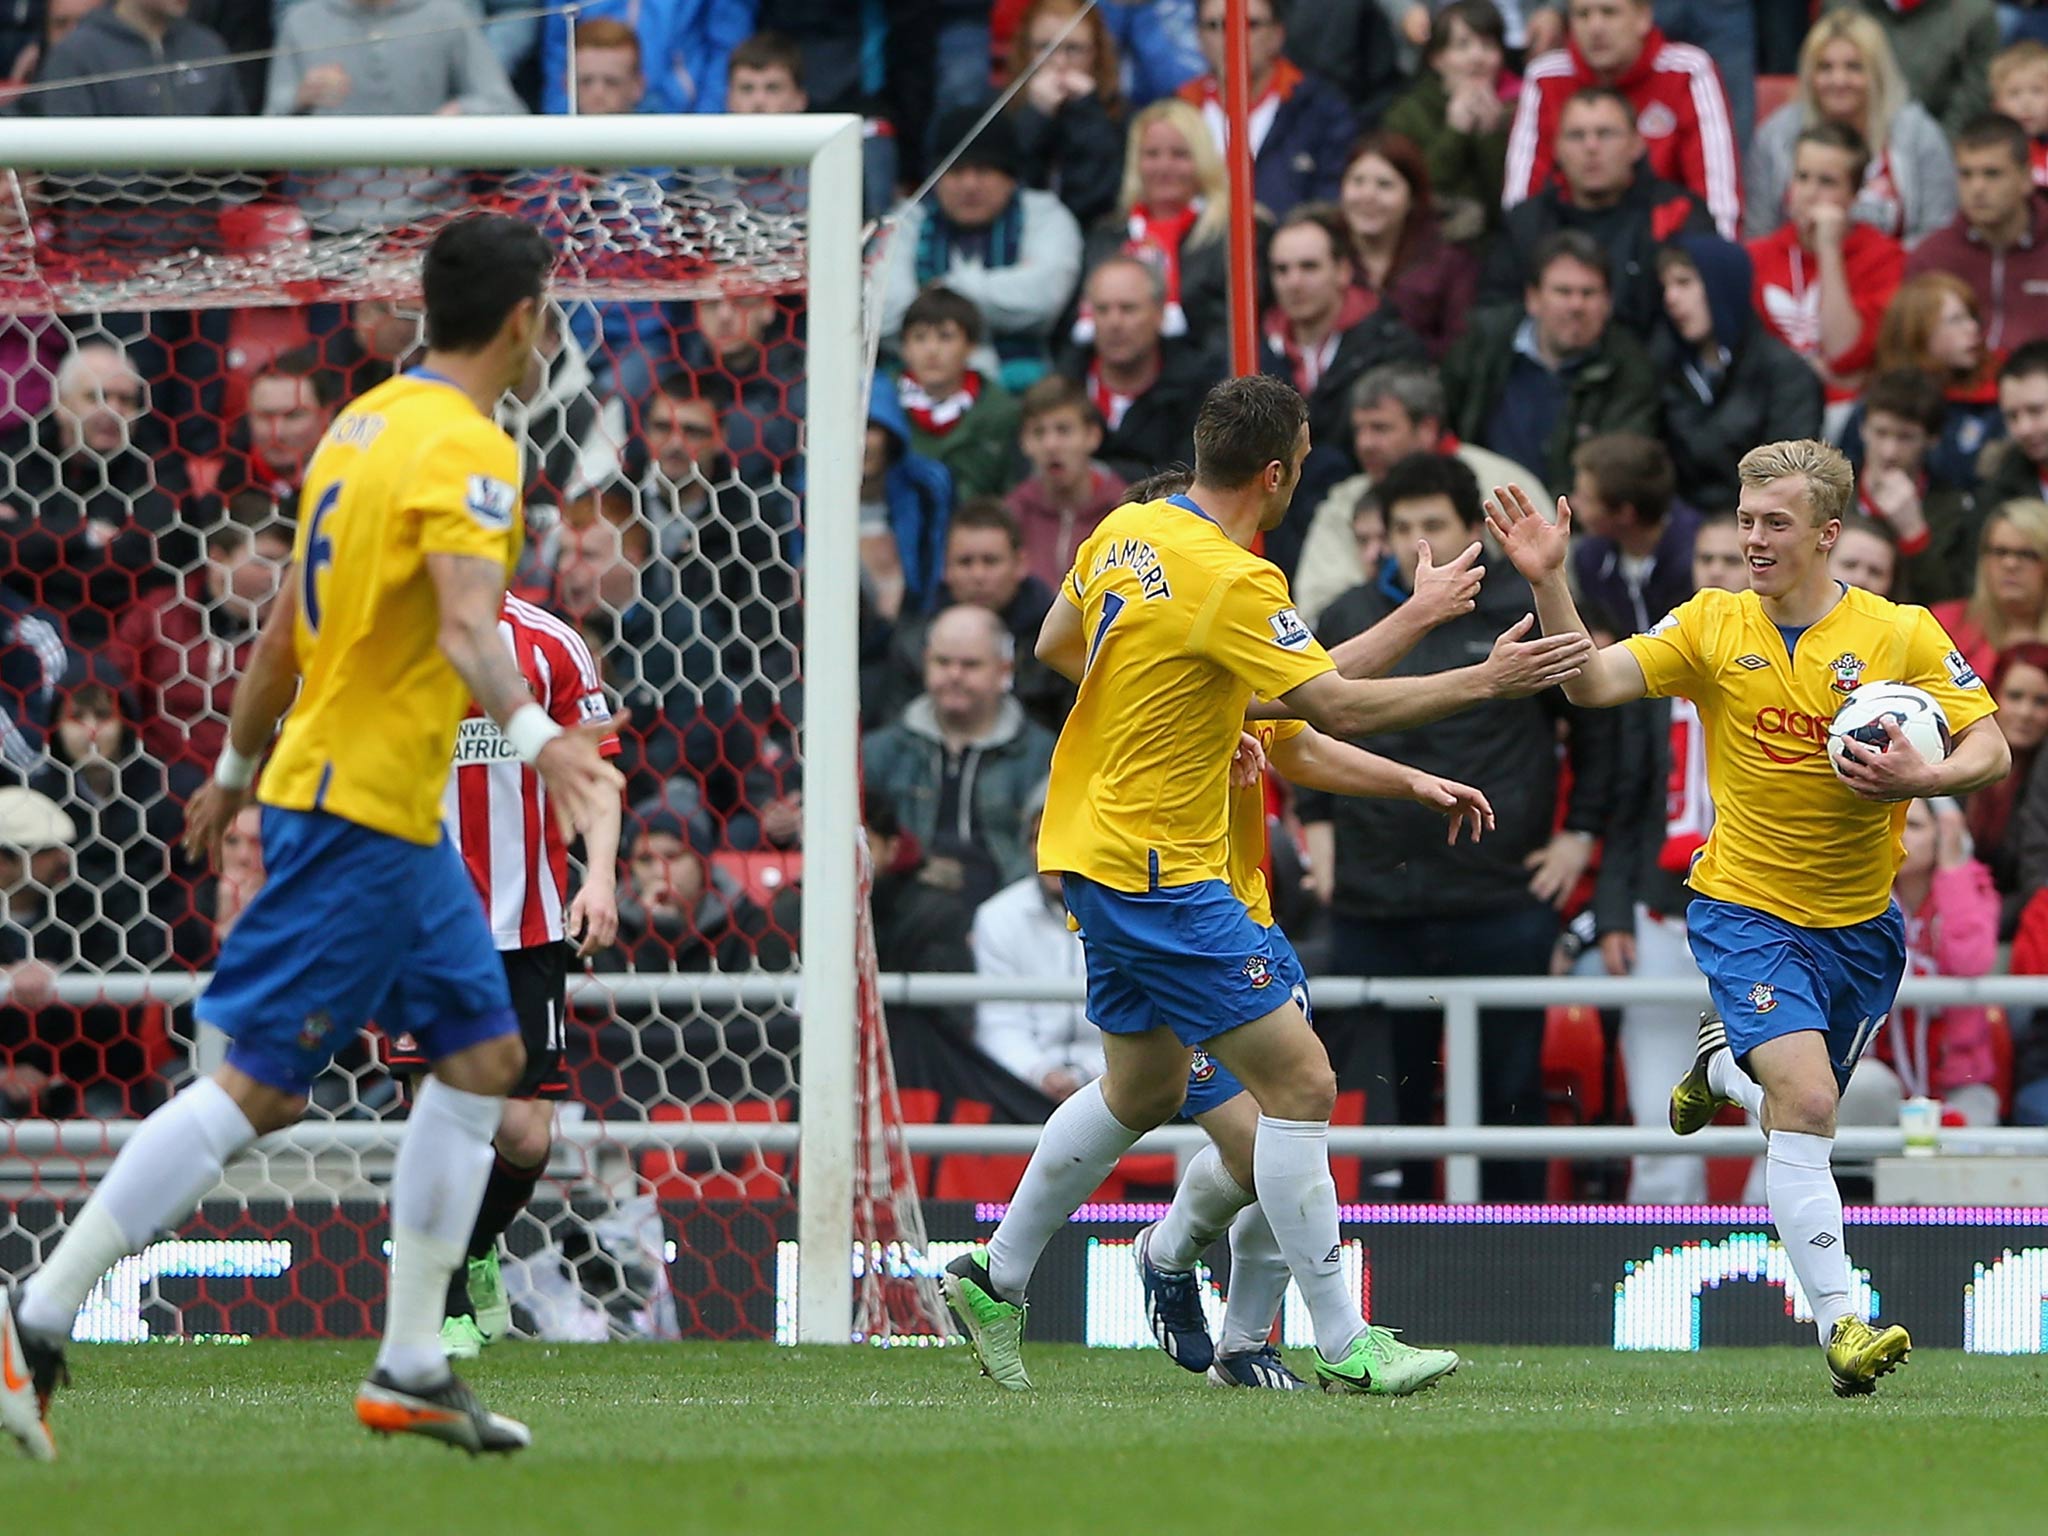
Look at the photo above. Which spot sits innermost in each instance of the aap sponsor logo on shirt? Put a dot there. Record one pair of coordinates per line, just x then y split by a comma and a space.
490, 501
1289, 633
1960, 672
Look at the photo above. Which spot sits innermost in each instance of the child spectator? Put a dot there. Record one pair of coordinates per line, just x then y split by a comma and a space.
1822, 282
1866, 555
1935, 526
1934, 326
2019, 89
1069, 490
1457, 112
966, 421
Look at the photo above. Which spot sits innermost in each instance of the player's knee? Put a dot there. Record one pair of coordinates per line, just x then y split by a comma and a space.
492, 1068
1306, 1092
1144, 1105
1805, 1108
525, 1138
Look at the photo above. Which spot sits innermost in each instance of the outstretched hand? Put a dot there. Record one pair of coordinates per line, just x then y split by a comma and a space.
1446, 592
1466, 807
1536, 545
1519, 667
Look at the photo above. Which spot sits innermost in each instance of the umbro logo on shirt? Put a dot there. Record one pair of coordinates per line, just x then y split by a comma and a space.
1752, 662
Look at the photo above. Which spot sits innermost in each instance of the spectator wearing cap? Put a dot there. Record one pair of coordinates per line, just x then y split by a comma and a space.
1945, 48
961, 759
182, 652
1145, 385
56, 1058
1022, 931
1633, 555
1998, 243
676, 911
1300, 124
1013, 253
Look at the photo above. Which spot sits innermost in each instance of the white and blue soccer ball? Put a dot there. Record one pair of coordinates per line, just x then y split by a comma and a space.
1863, 714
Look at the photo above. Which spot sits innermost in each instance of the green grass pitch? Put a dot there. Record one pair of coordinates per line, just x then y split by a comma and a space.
745, 1438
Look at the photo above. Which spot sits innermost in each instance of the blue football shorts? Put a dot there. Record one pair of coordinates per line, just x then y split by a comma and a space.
351, 925
1210, 1083
1770, 978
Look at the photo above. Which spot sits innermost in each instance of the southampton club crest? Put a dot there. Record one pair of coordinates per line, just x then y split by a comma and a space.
1258, 972
1848, 670
1762, 998
1202, 1068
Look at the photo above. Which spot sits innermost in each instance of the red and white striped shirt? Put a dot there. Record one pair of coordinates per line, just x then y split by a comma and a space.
495, 807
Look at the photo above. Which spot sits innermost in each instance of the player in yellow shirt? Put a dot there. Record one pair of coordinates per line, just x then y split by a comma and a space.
1172, 627
1793, 925
386, 630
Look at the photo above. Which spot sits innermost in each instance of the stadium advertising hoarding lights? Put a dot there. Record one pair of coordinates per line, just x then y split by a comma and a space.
1620, 1277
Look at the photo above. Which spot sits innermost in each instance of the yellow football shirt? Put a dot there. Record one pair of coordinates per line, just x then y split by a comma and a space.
1183, 627
1789, 837
410, 469
1248, 827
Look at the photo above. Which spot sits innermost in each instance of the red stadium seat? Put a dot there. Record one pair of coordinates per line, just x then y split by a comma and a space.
920, 1107
1574, 1065
1772, 92
972, 1176
673, 1173
763, 874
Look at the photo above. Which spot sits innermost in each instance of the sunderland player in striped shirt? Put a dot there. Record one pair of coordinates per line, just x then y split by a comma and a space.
386, 631
1172, 627
1792, 921
496, 809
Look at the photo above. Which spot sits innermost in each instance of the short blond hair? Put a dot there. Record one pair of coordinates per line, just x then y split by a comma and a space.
2016, 59
1830, 483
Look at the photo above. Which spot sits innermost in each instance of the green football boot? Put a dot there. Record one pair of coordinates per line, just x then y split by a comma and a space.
1383, 1366
995, 1327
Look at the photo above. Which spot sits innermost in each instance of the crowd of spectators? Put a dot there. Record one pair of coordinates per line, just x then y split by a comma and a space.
1594, 247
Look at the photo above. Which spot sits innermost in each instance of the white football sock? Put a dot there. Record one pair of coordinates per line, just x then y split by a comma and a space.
174, 1157
1258, 1284
1731, 1082
1291, 1166
1076, 1151
1807, 1208
1203, 1208
436, 1188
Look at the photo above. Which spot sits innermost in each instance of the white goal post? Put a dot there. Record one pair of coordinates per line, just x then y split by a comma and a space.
828, 147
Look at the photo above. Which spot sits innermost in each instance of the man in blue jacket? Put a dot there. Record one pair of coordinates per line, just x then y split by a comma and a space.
1301, 125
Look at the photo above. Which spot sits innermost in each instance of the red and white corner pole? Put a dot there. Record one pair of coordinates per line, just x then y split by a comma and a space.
1237, 108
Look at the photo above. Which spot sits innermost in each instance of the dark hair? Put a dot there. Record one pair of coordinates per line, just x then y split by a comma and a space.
986, 512
478, 270
1568, 245
1244, 425
304, 363
2021, 653
1631, 471
1721, 517
713, 388
1406, 157
1590, 95
1327, 217
2028, 360
942, 306
1482, 16
1421, 476
1056, 392
768, 50
1841, 136
1910, 395
1988, 130
1171, 481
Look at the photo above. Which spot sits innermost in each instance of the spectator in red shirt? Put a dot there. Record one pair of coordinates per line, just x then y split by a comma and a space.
1822, 282
1681, 111
1998, 244
182, 653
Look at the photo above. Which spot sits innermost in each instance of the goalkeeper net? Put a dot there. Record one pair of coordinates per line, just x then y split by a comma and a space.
173, 342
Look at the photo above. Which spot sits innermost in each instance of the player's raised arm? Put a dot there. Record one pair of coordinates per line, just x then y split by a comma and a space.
265, 691
1538, 548
1347, 707
1060, 642
471, 592
1312, 760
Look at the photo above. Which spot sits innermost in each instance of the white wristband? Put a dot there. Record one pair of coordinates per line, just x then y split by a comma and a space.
529, 730
231, 770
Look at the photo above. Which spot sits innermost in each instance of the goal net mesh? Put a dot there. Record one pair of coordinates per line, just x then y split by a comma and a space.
171, 348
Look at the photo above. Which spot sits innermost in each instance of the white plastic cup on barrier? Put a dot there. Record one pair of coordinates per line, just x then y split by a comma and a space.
1920, 1124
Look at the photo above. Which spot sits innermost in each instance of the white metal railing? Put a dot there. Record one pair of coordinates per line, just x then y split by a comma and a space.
1462, 1141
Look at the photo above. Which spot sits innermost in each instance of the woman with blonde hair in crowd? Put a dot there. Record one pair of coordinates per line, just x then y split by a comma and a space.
1848, 74
1999, 812
1934, 325
1402, 257
1070, 115
1173, 213
2009, 602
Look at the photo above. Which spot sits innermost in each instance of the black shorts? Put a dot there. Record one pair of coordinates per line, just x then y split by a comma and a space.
538, 979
